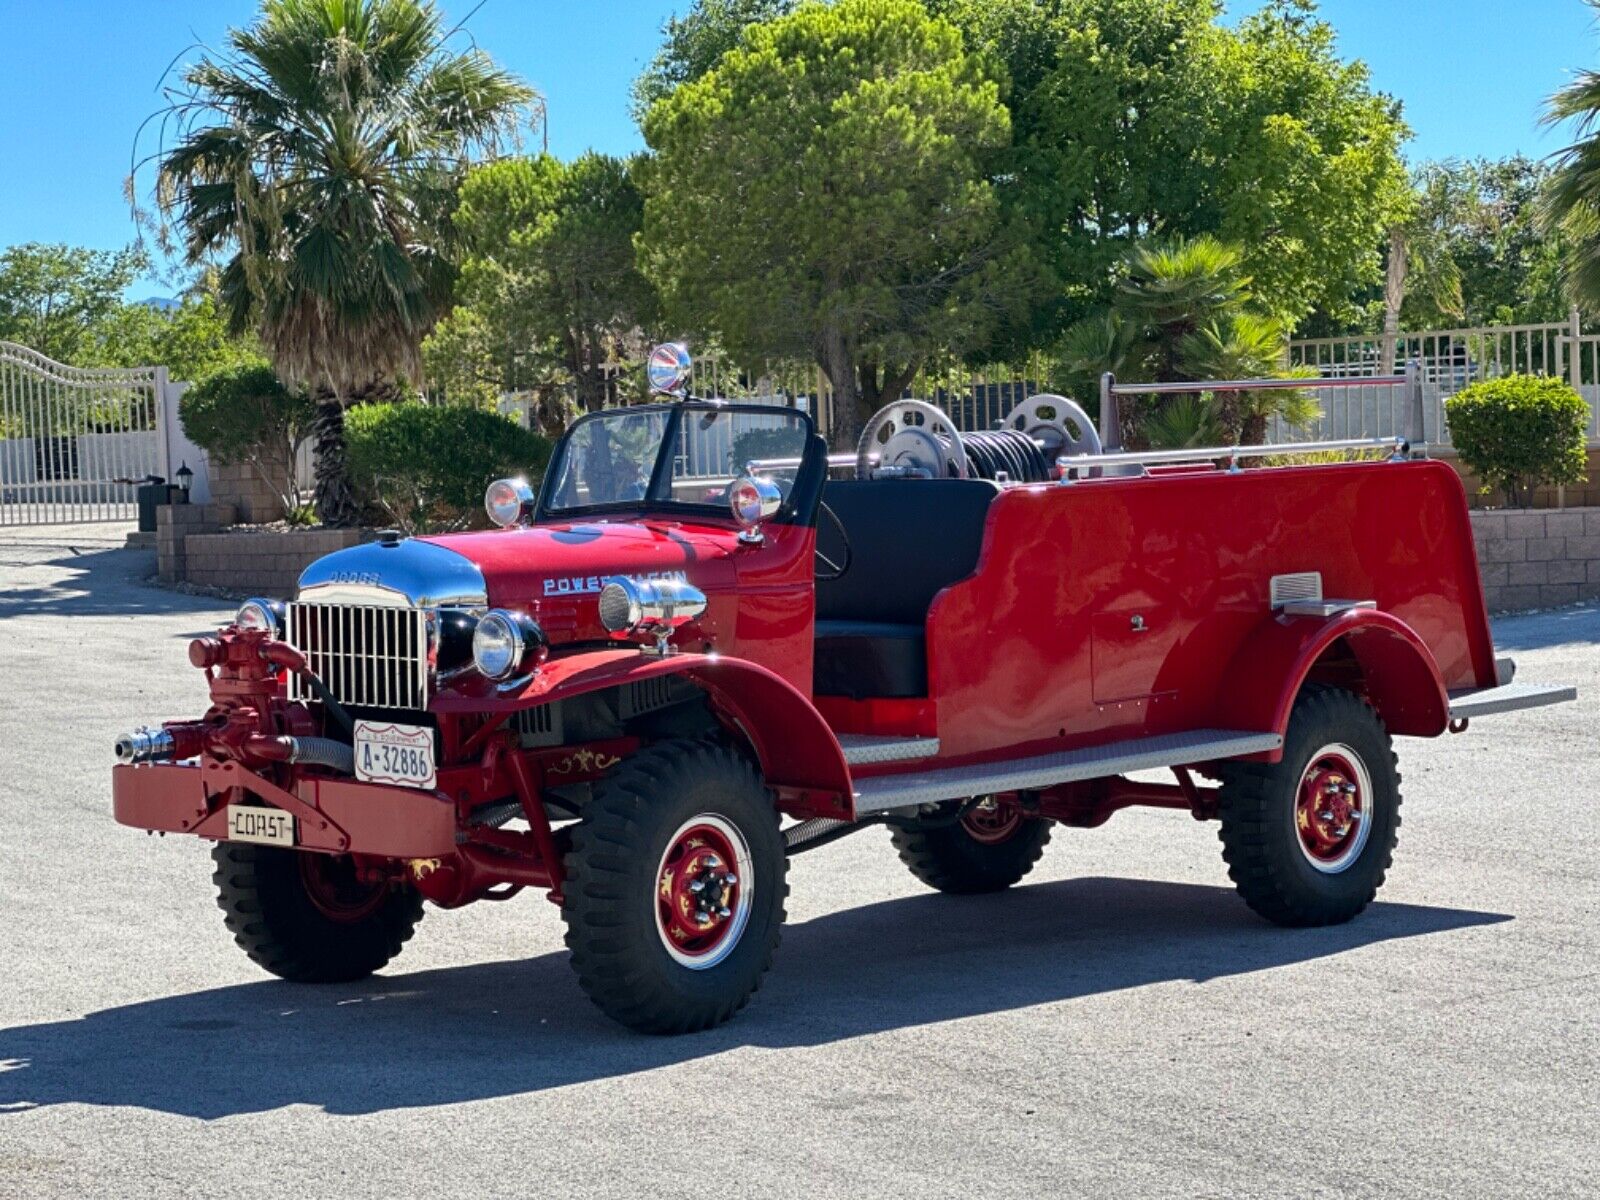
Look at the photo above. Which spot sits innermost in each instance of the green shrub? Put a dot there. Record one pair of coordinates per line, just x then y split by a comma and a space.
1519, 432
243, 414
427, 467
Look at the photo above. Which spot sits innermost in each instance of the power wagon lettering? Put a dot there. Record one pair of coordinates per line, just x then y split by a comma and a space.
578, 585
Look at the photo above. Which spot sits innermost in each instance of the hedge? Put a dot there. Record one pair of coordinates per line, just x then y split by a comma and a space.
1519, 432
426, 468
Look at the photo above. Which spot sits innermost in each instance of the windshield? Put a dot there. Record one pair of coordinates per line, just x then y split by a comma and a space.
613, 457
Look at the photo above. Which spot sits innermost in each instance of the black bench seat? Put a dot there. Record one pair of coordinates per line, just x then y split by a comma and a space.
909, 539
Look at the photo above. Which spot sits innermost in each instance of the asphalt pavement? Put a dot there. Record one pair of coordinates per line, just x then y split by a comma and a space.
1119, 1025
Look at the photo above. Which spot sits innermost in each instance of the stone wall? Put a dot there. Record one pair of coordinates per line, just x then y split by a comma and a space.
241, 485
1538, 558
267, 564
1580, 495
193, 545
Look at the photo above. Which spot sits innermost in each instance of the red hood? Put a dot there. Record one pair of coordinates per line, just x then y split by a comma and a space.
555, 572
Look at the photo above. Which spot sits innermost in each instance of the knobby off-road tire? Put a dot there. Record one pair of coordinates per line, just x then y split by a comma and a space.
305, 917
1293, 852
676, 814
982, 852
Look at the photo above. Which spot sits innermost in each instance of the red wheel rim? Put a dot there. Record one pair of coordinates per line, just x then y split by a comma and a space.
992, 822
1333, 808
703, 891
335, 891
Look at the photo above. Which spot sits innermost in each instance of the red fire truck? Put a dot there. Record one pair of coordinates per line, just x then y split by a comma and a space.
693, 653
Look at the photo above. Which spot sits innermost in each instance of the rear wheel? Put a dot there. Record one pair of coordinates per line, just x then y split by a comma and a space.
675, 888
990, 847
1309, 839
309, 917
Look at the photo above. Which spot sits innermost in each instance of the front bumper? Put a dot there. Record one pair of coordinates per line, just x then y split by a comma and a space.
333, 815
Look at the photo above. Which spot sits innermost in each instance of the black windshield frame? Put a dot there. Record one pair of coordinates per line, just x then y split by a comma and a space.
799, 508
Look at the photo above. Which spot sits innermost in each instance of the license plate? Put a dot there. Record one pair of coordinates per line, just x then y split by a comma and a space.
268, 826
390, 753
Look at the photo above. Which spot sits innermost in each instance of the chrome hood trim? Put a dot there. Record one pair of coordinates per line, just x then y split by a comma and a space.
404, 574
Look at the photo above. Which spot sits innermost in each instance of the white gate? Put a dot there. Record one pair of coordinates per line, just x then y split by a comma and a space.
74, 442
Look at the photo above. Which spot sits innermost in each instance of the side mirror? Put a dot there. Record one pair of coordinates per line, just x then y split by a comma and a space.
753, 500
669, 368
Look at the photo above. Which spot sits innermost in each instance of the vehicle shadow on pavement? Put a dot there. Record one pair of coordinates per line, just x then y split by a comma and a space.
509, 1028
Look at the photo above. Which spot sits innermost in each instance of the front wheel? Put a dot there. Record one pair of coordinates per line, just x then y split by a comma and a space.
309, 917
1309, 839
675, 888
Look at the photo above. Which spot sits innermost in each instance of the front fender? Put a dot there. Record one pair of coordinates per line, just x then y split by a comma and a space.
799, 755
1401, 678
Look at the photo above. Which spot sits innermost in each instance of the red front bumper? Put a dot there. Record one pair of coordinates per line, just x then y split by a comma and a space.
333, 815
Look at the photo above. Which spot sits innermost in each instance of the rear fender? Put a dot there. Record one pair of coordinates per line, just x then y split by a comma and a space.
1396, 671
799, 755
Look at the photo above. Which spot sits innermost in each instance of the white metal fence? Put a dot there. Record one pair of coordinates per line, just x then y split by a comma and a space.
1446, 361
74, 442
1442, 361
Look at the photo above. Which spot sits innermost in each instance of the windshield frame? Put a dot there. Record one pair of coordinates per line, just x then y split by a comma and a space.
651, 502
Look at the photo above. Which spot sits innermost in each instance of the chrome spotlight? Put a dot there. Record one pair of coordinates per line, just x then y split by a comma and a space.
652, 607
509, 501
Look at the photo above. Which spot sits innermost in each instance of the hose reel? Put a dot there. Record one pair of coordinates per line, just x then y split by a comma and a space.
911, 439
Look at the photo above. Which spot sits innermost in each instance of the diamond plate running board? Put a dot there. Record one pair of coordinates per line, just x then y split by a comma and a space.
1508, 697
1068, 766
862, 749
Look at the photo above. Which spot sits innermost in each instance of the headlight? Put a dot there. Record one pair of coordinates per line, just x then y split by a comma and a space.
257, 613
651, 606
506, 643
508, 501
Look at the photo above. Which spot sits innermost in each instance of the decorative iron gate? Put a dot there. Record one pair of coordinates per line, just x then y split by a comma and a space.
75, 442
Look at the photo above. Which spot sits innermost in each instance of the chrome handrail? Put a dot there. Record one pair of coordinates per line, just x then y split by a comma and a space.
1068, 463
1110, 390
1313, 382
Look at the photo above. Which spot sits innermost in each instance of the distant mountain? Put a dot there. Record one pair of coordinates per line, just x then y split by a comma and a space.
161, 303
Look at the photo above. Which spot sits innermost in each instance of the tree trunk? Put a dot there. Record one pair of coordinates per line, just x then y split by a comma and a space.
850, 410
1394, 295
334, 500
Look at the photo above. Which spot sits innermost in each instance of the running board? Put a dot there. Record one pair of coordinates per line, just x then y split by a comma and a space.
1508, 697
884, 792
861, 750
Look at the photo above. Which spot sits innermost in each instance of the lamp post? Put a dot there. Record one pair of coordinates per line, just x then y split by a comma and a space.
185, 479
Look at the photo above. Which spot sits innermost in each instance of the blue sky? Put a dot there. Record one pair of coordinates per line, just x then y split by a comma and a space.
77, 76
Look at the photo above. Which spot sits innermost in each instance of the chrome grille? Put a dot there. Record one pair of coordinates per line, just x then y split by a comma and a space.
367, 655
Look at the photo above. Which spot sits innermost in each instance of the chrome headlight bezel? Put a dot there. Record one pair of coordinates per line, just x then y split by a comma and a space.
260, 612
513, 638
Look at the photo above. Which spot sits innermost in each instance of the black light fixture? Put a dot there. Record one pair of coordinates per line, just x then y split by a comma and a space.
185, 478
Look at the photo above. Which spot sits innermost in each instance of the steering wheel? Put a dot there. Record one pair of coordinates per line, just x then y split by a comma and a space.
911, 437
835, 570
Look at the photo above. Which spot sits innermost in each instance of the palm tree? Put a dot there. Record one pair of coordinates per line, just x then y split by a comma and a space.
1572, 204
1418, 262
317, 158
1181, 312
1245, 345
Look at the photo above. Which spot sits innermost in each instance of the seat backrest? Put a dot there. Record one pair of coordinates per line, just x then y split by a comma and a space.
909, 538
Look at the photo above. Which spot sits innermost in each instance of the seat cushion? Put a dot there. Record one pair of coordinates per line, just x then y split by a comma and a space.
860, 659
